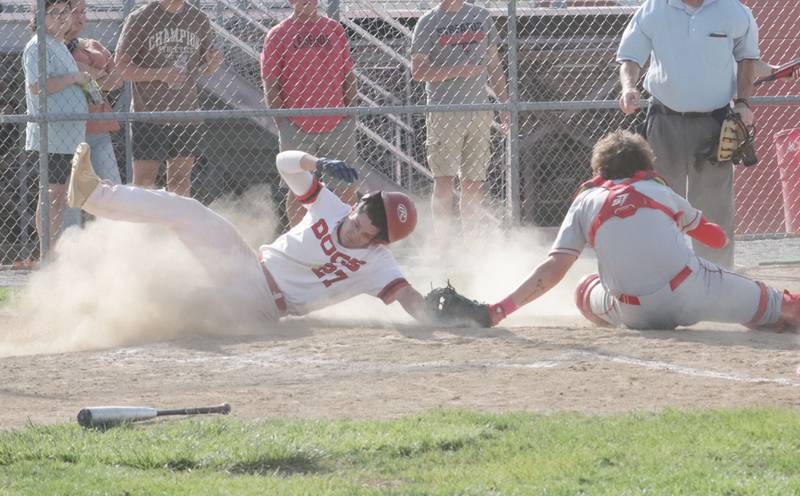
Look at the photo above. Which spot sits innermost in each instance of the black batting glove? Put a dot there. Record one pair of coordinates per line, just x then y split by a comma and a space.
337, 169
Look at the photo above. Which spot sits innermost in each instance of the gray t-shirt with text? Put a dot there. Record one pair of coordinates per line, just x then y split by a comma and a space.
456, 38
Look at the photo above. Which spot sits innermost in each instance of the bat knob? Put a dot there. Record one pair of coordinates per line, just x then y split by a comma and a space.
226, 409
85, 417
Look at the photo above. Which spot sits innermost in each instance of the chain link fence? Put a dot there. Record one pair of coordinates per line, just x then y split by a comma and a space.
205, 131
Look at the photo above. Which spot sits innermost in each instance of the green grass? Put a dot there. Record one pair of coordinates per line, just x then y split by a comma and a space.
727, 452
5, 295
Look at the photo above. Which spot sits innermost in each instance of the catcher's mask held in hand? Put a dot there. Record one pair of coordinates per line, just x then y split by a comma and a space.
736, 142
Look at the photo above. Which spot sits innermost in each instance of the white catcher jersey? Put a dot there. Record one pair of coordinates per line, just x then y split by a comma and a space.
637, 254
313, 270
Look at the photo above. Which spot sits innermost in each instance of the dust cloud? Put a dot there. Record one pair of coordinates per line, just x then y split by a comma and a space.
485, 268
119, 284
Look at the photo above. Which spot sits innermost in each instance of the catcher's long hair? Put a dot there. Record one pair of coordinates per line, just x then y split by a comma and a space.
621, 154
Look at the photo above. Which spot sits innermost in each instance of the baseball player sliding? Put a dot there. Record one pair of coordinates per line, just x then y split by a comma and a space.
649, 278
335, 253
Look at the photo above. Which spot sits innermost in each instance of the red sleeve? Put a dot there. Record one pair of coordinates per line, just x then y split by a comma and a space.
389, 292
271, 60
709, 234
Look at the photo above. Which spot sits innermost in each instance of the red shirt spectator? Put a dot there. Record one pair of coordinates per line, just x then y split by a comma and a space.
310, 59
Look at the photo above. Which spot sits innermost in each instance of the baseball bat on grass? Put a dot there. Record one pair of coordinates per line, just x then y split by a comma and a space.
105, 416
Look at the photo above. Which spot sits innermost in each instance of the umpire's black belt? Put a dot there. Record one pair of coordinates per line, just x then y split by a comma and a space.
660, 108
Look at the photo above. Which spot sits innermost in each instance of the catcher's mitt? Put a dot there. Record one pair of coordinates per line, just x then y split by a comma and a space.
736, 142
446, 306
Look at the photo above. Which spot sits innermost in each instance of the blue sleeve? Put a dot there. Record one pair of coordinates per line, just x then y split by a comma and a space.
30, 64
635, 45
746, 45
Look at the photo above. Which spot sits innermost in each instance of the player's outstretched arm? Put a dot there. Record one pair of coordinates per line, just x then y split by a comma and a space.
295, 167
540, 281
413, 303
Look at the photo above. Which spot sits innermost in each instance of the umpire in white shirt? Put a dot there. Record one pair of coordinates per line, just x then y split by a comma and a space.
701, 55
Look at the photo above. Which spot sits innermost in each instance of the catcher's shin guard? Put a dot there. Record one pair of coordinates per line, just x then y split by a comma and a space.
582, 292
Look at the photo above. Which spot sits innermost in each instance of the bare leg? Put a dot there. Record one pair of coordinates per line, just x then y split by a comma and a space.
145, 172
57, 195
442, 204
470, 206
179, 175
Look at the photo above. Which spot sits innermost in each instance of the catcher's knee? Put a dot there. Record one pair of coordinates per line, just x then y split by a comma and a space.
582, 292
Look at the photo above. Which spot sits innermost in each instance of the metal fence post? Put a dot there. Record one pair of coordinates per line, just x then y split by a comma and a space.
44, 180
512, 156
333, 9
127, 97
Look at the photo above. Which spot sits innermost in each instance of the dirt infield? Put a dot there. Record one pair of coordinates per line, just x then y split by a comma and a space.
309, 368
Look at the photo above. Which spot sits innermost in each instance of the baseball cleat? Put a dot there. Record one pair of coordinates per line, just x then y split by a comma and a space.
82, 180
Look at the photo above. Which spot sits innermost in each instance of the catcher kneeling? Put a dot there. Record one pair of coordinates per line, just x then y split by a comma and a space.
649, 278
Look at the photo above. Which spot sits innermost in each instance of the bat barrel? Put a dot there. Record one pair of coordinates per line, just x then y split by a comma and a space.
113, 415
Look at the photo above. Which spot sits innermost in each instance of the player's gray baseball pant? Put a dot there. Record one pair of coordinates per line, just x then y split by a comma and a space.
681, 145
709, 293
234, 267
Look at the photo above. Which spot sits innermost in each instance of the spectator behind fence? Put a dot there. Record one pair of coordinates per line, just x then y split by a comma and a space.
93, 58
454, 50
165, 45
693, 76
65, 94
306, 63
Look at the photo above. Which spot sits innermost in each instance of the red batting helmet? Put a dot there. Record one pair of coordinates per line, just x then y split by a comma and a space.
401, 214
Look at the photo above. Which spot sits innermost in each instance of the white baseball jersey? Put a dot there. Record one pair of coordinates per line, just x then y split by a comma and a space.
650, 277
314, 270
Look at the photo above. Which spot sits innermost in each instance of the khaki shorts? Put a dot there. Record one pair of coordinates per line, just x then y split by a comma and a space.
458, 144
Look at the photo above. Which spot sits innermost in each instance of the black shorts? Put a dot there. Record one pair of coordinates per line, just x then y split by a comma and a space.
58, 166
156, 141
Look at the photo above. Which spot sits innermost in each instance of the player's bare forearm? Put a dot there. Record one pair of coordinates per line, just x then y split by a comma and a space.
745, 77
543, 278
414, 304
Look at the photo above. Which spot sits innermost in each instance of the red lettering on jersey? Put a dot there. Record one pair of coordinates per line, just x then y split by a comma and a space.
337, 258
320, 228
326, 243
340, 276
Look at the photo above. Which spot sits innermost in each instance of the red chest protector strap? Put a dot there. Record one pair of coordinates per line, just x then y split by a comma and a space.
623, 201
